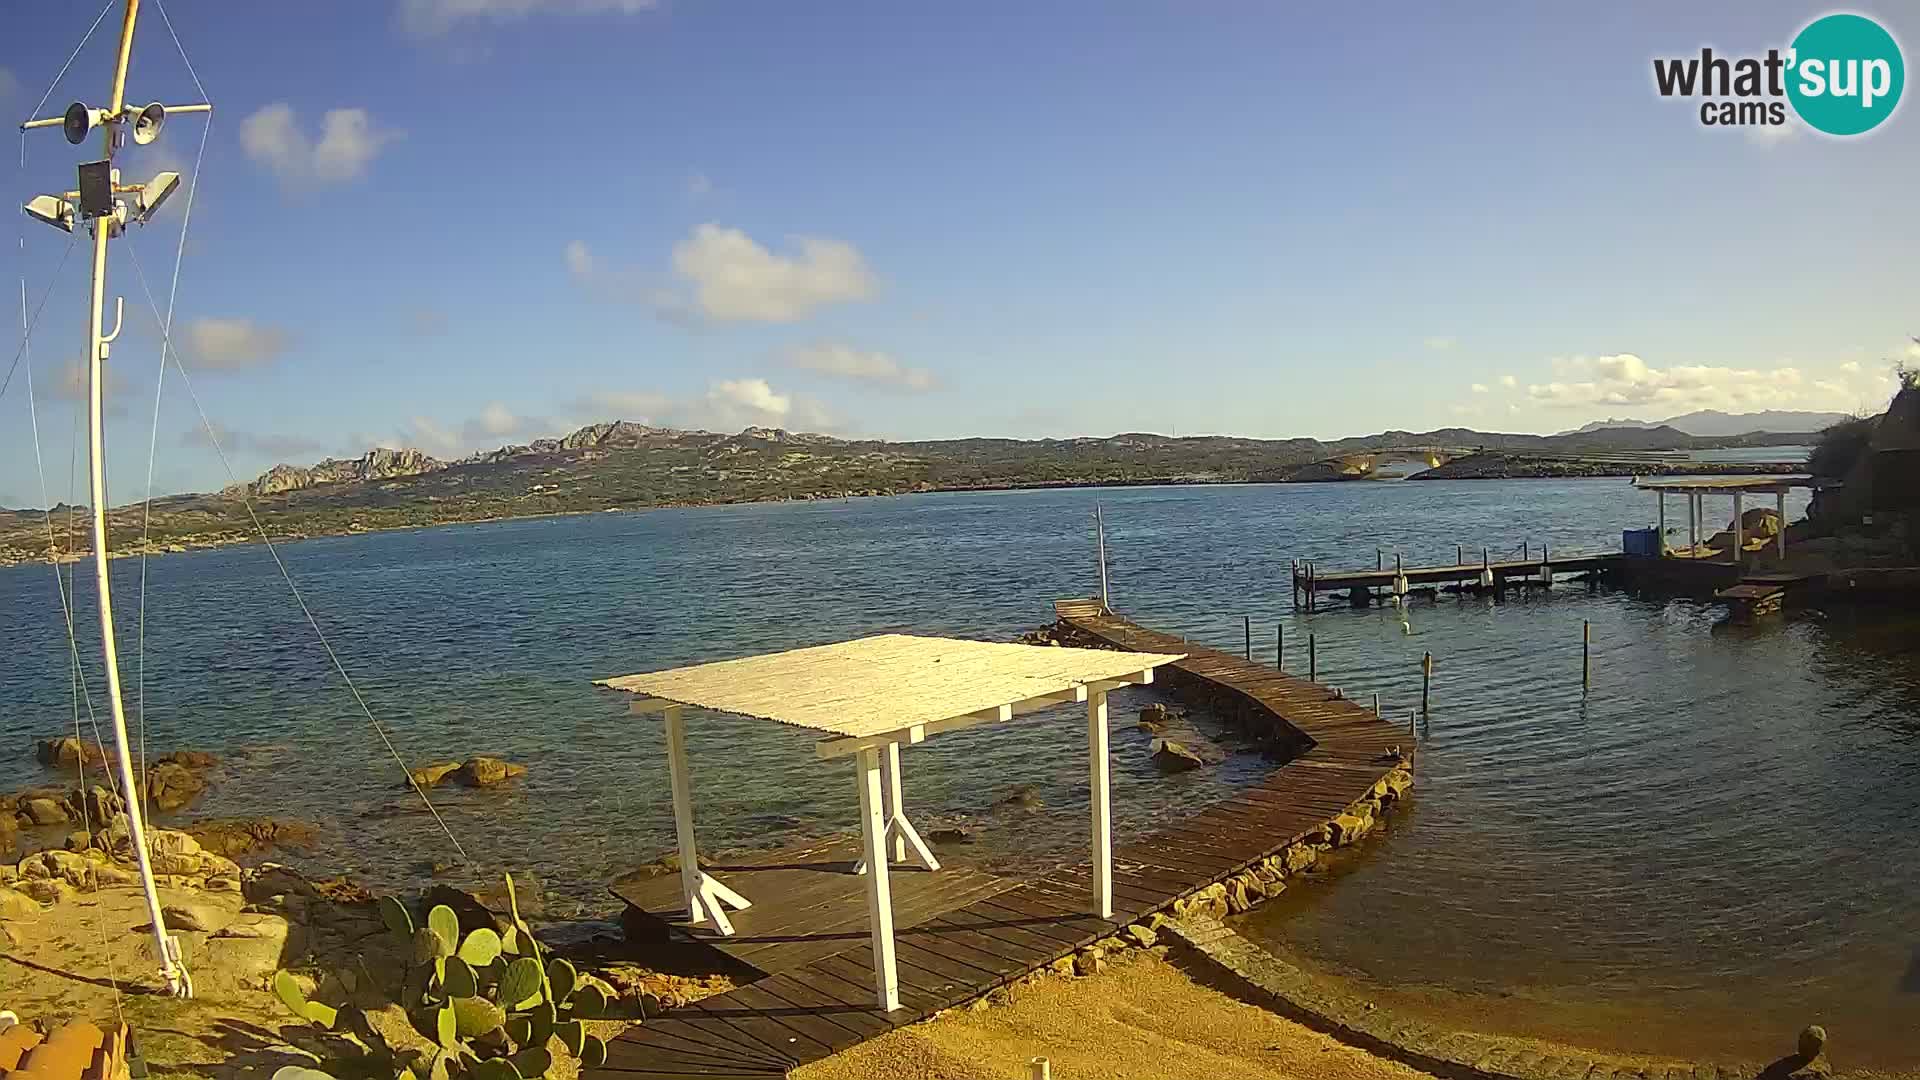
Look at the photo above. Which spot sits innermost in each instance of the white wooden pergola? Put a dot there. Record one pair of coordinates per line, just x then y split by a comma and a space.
867, 698
1695, 488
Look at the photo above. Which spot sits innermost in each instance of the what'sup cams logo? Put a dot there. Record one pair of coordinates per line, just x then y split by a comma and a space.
1842, 75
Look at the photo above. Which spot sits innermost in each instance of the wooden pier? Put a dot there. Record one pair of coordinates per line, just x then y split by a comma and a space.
961, 932
1309, 580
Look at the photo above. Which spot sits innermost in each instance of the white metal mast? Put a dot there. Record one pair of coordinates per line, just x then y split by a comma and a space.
97, 205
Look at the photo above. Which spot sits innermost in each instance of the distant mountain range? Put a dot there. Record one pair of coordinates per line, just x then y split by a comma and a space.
1716, 424
620, 465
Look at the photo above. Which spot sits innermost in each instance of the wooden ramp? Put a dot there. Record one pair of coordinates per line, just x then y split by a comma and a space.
982, 932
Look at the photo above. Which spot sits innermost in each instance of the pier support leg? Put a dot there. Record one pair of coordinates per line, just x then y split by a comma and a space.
1739, 535
1662, 548
1780, 508
1097, 753
901, 836
873, 837
1693, 523
706, 897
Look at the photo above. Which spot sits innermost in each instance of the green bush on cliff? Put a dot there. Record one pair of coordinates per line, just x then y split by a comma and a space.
1839, 447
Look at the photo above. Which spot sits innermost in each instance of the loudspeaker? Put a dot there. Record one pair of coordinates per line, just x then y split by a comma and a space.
148, 122
77, 122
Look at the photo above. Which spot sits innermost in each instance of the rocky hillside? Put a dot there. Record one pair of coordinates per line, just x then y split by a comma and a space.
621, 465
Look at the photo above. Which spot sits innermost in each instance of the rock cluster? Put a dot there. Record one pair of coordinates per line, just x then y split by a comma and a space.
55, 876
173, 781
478, 771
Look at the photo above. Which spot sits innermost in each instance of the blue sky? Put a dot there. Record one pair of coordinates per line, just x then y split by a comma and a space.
459, 223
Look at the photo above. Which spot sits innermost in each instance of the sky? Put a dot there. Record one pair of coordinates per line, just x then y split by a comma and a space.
455, 224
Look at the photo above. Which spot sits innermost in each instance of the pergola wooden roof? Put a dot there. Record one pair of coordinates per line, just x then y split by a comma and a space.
890, 687
1771, 484
867, 697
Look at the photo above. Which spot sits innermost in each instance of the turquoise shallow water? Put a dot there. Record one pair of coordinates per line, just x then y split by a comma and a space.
1725, 809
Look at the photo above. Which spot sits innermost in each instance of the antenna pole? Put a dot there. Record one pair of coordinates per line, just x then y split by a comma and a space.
97, 341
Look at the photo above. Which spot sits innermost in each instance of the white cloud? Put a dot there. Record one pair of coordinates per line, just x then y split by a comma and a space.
1509, 381
698, 185
735, 279
728, 277
9, 85
845, 362
1851, 367
727, 405
1440, 344
348, 143
1913, 349
1627, 380
427, 18
252, 444
1771, 135
636, 405
497, 420
231, 344
72, 382
1479, 388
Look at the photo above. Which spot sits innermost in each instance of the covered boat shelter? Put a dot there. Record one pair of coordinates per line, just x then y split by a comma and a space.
866, 699
1695, 488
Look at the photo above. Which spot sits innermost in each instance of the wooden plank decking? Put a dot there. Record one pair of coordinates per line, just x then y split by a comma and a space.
817, 996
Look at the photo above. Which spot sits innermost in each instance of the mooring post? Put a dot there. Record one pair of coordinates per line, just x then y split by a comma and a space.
1313, 660
1376, 704
1312, 587
1586, 654
1413, 727
1459, 555
1293, 568
1247, 625
1378, 565
1426, 681
1280, 647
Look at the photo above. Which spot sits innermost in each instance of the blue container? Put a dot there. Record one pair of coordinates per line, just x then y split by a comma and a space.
1640, 542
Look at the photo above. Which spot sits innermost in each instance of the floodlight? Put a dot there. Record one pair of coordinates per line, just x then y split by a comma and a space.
148, 122
96, 189
153, 193
77, 122
53, 210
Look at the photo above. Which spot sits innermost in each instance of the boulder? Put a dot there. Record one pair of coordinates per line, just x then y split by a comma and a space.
232, 837
1238, 901
1142, 935
1348, 828
1812, 1042
44, 811
471, 910
175, 852
1090, 961
1173, 757
428, 775
197, 760
172, 786
1155, 716
47, 890
1024, 797
9, 833
488, 771
69, 752
950, 834
79, 840
116, 837
15, 904
202, 916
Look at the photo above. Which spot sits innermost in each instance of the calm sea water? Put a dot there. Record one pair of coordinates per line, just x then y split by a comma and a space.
1724, 822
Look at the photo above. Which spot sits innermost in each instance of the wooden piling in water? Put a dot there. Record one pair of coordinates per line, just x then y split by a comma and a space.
1376, 704
1586, 654
1313, 660
1280, 647
1426, 681
1247, 626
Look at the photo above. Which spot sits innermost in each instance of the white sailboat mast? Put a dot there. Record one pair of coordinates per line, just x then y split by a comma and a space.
98, 205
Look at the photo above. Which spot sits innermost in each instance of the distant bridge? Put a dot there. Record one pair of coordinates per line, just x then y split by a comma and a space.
1359, 464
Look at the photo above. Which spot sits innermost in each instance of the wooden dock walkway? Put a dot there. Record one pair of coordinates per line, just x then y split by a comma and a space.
960, 932
1309, 579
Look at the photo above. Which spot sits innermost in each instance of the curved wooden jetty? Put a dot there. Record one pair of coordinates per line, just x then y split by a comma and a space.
967, 934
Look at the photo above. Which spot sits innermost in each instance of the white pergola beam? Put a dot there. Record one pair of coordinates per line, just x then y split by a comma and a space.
1098, 759
706, 897
886, 975
847, 745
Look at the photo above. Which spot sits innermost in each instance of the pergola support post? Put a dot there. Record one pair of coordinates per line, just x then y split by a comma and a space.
1780, 508
873, 837
1661, 549
1097, 753
706, 897
1739, 534
901, 836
